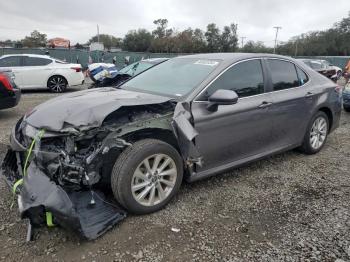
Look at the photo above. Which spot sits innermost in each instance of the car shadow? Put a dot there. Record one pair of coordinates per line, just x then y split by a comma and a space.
47, 91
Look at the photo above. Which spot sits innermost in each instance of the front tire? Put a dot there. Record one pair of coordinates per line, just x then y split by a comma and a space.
346, 108
57, 84
146, 176
316, 134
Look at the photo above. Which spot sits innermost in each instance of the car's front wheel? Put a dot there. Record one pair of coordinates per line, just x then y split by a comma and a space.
317, 133
146, 176
57, 84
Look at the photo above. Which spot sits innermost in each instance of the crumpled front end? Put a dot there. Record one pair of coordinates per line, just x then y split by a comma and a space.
53, 189
60, 177
63, 177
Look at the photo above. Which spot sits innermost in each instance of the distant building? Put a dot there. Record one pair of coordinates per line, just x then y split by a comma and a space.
58, 42
95, 46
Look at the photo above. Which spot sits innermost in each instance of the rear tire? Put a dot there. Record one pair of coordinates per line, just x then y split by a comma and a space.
316, 134
146, 176
57, 84
346, 108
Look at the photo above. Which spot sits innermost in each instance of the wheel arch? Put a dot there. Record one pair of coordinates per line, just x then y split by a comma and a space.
329, 114
164, 135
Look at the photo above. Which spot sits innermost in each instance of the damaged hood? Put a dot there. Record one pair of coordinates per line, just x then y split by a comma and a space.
86, 108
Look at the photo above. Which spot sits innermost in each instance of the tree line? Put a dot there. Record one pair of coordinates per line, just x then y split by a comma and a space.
165, 39
333, 41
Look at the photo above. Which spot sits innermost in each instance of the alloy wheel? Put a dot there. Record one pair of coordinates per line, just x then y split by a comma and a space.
57, 84
154, 179
318, 132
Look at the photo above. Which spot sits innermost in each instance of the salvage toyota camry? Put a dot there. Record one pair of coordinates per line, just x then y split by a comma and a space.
188, 118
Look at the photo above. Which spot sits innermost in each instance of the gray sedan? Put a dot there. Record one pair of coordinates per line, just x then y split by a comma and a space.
190, 117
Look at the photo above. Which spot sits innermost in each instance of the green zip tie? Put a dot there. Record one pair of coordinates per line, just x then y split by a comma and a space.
49, 220
30, 150
14, 188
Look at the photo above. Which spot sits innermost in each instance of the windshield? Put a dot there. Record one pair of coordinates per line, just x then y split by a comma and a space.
135, 68
175, 77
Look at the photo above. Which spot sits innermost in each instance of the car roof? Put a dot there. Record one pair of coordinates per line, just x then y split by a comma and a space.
31, 55
233, 56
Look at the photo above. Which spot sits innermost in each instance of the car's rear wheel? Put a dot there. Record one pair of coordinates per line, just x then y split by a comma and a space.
346, 108
146, 176
57, 84
316, 134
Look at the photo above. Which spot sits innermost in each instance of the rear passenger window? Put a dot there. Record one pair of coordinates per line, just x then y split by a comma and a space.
302, 76
10, 61
36, 61
283, 74
245, 78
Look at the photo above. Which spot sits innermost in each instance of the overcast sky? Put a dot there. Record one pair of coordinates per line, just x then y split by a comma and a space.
77, 19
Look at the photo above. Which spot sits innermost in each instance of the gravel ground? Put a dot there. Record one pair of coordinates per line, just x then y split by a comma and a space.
289, 207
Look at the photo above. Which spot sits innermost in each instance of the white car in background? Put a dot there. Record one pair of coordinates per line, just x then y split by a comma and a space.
42, 71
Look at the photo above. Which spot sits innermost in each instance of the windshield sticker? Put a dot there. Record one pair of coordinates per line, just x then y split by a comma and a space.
207, 62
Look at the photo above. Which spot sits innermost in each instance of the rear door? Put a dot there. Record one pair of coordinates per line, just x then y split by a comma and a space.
239, 131
14, 63
36, 71
293, 101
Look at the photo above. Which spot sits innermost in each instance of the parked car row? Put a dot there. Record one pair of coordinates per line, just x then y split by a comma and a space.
107, 75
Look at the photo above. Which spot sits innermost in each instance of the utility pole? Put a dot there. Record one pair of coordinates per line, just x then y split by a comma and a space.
277, 29
242, 40
296, 48
98, 34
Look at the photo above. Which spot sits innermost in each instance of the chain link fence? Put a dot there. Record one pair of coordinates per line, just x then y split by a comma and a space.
82, 56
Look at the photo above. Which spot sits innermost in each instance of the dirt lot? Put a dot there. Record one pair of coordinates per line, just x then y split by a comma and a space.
289, 207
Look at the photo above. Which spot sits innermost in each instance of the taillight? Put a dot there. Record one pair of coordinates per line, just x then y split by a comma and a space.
6, 82
77, 69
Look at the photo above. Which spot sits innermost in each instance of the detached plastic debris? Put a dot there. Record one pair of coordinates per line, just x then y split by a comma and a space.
176, 230
74, 210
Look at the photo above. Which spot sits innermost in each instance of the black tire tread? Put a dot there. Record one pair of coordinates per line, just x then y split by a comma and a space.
305, 147
121, 166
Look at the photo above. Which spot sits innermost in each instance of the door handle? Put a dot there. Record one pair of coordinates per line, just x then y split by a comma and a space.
309, 95
265, 104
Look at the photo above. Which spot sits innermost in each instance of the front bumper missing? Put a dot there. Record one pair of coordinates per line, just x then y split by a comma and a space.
88, 213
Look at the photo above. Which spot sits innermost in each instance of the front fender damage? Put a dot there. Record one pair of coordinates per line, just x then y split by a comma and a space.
68, 173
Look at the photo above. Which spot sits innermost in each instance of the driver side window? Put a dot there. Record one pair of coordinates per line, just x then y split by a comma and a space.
245, 78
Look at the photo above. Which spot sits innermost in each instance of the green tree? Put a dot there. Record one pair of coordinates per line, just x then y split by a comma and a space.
213, 38
228, 40
137, 41
36, 39
78, 46
256, 47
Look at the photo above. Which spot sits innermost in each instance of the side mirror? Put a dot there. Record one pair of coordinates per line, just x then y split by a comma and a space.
221, 97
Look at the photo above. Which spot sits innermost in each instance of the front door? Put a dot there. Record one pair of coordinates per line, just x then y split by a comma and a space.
239, 131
